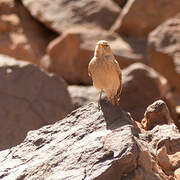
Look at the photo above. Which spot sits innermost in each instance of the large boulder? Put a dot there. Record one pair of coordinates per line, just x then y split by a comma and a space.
29, 99
142, 86
21, 36
164, 50
90, 144
156, 114
71, 52
138, 17
61, 15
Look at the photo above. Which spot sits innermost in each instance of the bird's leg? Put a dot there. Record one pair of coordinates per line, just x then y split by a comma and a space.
100, 94
117, 100
108, 96
113, 101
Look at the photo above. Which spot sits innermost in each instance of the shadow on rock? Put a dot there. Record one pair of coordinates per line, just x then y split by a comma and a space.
114, 116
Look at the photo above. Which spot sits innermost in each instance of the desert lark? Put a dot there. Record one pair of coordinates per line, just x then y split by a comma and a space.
105, 72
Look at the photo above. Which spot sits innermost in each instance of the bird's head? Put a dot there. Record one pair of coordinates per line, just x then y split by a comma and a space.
103, 49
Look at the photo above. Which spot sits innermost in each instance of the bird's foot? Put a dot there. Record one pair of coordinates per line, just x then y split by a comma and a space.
99, 105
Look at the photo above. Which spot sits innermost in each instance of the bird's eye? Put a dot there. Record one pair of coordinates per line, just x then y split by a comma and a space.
106, 46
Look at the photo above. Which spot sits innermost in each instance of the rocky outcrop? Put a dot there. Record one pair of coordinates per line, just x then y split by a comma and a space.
138, 17
29, 99
61, 15
156, 114
170, 163
91, 143
121, 3
70, 53
164, 50
20, 35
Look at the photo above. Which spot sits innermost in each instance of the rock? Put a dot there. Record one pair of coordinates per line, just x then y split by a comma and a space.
163, 161
61, 15
88, 144
177, 173
70, 53
156, 113
83, 95
164, 48
168, 162
30, 98
148, 168
20, 35
138, 18
121, 3
163, 135
175, 160
141, 87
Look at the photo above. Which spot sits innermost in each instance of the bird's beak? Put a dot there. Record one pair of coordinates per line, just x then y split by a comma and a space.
100, 46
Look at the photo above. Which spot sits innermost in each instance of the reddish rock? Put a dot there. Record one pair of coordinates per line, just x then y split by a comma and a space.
20, 35
121, 3
61, 15
156, 114
70, 53
163, 50
138, 17
148, 168
30, 98
141, 87
169, 162
177, 174
163, 135
163, 161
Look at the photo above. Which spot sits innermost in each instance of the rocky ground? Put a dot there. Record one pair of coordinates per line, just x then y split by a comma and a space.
51, 125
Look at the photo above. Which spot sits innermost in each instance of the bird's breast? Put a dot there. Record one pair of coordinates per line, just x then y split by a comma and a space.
105, 75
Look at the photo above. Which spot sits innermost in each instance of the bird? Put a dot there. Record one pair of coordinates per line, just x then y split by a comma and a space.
105, 72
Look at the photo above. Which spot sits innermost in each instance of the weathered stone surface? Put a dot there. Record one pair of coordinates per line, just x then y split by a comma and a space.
141, 87
164, 50
70, 53
82, 95
164, 135
169, 162
90, 143
163, 161
61, 15
121, 3
147, 169
138, 17
29, 99
156, 113
177, 173
20, 35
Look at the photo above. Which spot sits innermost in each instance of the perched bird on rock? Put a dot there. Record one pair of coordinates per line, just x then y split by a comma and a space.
105, 72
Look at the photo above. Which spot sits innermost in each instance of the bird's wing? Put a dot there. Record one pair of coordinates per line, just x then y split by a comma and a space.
118, 69
91, 66
89, 72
